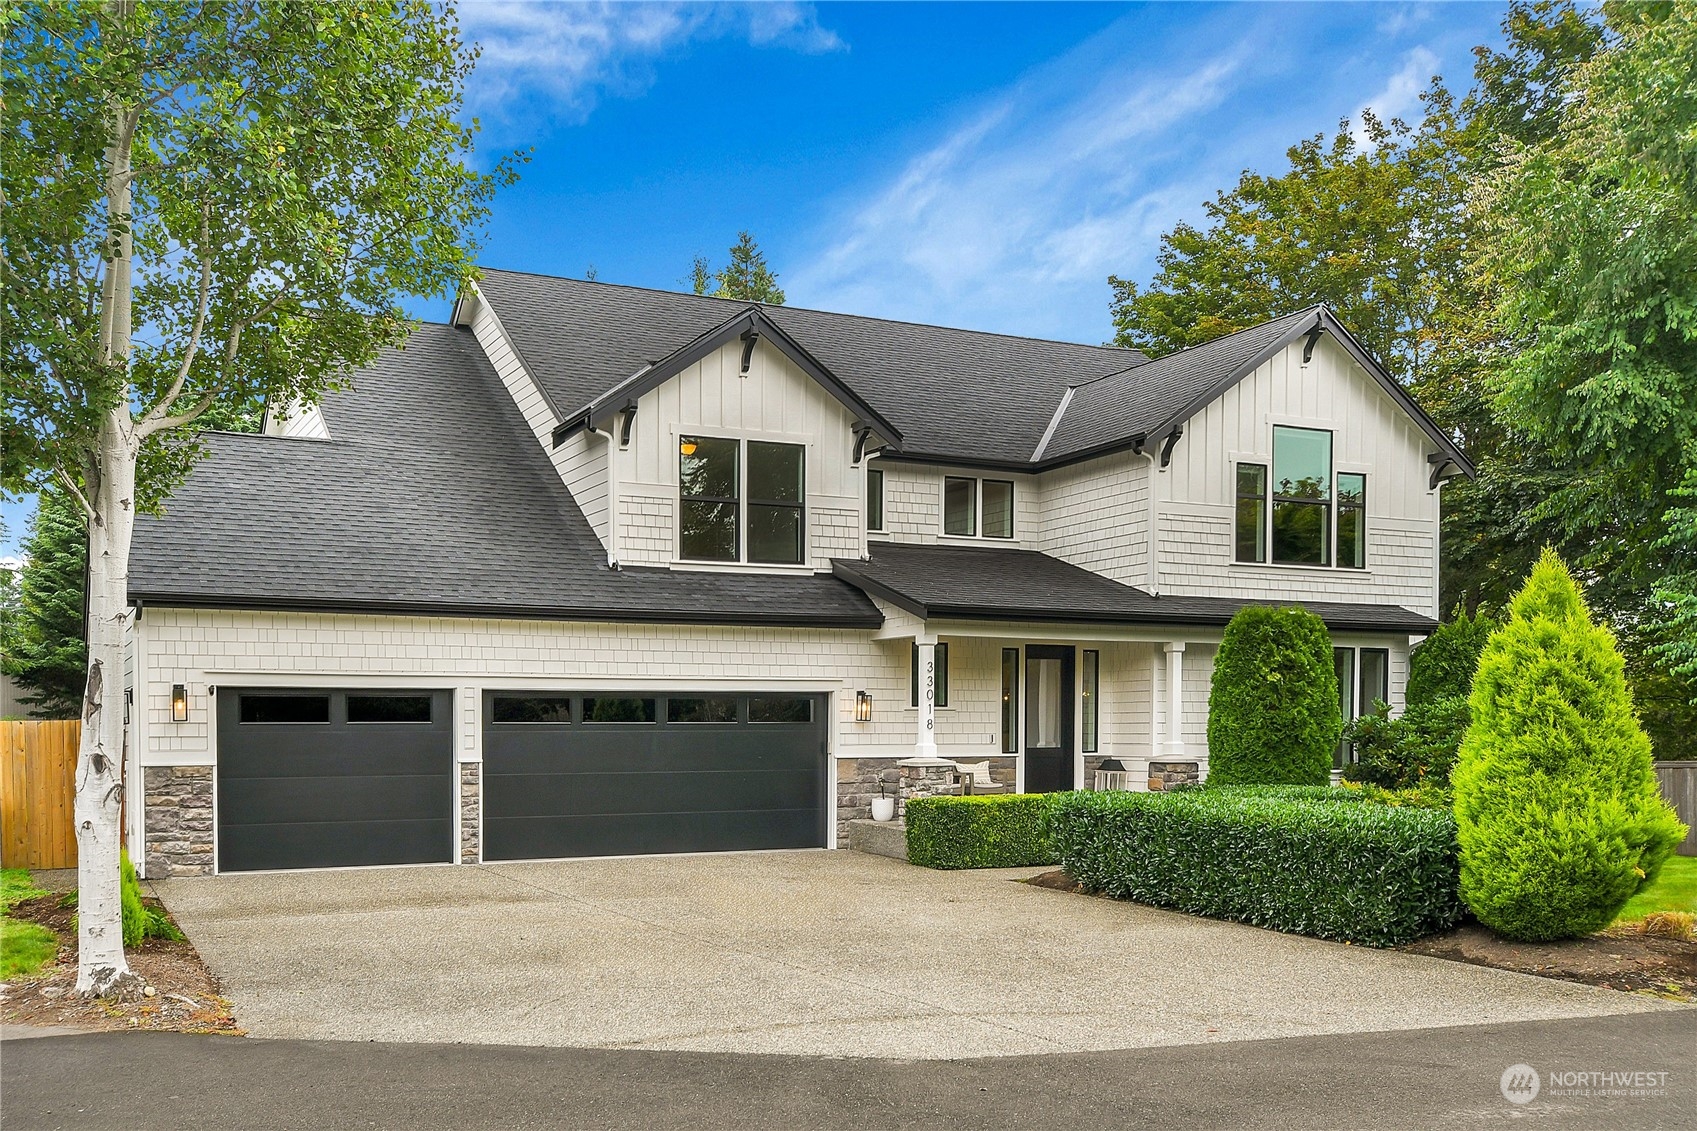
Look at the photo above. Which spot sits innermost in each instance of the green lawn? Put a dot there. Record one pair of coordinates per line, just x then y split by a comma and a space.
1674, 890
24, 947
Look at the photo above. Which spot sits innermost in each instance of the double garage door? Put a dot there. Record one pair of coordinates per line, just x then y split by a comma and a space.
329, 778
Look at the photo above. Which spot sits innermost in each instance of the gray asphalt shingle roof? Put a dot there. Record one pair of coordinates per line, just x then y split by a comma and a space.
431, 495
960, 394
1004, 583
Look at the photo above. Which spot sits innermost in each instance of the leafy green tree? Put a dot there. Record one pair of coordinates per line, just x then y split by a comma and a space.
1558, 812
258, 185
746, 277
1273, 704
43, 636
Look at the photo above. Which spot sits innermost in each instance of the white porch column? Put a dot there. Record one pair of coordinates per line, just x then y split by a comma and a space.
1175, 700
925, 744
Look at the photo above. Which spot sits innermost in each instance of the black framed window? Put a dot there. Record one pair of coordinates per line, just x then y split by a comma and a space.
1343, 664
998, 508
874, 498
1352, 520
285, 709
776, 490
942, 677
1375, 680
703, 709
708, 478
1010, 700
1091, 678
610, 709
1251, 512
531, 709
1302, 496
388, 708
773, 709
960, 506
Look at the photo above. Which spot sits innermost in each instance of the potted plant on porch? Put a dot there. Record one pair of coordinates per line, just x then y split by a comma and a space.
883, 806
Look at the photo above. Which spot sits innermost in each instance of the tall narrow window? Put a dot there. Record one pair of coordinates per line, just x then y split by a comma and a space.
707, 519
1375, 679
1251, 512
874, 498
1091, 703
942, 677
775, 493
1352, 520
1343, 663
1302, 495
960, 506
1010, 700
998, 508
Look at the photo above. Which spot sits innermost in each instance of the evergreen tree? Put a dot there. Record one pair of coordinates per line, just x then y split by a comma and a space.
746, 277
43, 636
1273, 714
1559, 816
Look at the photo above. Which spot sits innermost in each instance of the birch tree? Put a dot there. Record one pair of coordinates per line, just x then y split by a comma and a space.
207, 204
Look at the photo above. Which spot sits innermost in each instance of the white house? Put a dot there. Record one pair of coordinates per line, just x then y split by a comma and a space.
601, 570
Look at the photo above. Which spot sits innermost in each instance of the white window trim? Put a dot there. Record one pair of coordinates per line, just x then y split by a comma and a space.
883, 499
978, 481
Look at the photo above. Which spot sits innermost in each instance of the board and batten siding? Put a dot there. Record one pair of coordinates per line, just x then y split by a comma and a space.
582, 459
773, 401
1197, 493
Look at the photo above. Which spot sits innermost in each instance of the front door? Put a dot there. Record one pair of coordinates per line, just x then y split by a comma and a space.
1048, 718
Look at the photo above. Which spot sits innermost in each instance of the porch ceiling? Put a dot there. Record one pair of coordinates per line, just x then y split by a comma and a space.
1003, 583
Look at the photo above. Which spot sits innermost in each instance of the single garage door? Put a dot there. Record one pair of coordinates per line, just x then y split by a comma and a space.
621, 774
334, 778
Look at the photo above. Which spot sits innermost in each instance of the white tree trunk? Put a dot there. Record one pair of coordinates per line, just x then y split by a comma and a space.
101, 969
109, 490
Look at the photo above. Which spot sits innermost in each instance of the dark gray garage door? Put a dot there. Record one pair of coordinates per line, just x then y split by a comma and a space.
622, 774
331, 778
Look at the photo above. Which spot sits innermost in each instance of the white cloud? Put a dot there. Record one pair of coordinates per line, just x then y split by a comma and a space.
1401, 94
1015, 219
573, 53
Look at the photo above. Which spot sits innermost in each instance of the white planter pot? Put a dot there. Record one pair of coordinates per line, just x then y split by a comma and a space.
883, 808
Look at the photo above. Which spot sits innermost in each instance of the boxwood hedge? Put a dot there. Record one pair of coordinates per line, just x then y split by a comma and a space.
990, 831
1320, 862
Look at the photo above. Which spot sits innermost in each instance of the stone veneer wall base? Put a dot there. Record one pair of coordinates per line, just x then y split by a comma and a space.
178, 836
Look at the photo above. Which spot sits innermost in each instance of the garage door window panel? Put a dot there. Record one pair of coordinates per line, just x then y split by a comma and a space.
609, 710
708, 709
388, 708
285, 708
531, 709
762, 709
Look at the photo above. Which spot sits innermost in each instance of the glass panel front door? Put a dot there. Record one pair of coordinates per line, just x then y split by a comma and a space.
1049, 699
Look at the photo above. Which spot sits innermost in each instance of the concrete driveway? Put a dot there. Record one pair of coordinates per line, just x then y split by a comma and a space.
826, 953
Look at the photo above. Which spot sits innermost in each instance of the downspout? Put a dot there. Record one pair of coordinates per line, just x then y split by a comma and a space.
1152, 582
608, 439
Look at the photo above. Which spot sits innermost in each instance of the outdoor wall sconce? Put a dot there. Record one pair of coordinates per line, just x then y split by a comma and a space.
179, 703
862, 707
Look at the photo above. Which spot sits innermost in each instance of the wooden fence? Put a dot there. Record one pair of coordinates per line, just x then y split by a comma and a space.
1679, 786
38, 761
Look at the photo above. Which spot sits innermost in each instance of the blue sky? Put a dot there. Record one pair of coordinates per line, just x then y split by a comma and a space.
979, 165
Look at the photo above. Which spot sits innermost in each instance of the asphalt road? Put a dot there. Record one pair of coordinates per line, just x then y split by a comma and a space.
1427, 1078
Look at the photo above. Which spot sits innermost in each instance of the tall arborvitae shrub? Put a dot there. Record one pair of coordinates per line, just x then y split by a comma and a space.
1557, 809
1273, 714
1443, 665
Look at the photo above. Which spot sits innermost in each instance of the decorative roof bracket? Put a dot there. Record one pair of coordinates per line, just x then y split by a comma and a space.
1167, 448
1308, 346
628, 417
862, 433
749, 337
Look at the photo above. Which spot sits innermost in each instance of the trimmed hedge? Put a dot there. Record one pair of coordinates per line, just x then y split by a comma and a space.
998, 830
1273, 704
1323, 862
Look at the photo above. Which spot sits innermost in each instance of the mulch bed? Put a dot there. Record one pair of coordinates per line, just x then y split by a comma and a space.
185, 996
1619, 960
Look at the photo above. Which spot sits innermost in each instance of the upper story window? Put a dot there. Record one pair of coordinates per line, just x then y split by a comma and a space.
1294, 514
874, 498
735, 494
971, 505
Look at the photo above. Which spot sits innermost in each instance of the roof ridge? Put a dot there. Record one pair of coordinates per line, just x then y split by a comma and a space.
833, 313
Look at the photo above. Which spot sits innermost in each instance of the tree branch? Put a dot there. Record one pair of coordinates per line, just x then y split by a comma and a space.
150, 421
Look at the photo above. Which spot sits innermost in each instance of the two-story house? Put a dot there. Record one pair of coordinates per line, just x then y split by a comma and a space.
600, 570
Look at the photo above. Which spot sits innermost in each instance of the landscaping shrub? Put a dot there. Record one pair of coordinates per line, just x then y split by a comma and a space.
991, 831
1418, 747
140, 921
1558, 812
1273, 706
1323, 863
1442, 666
